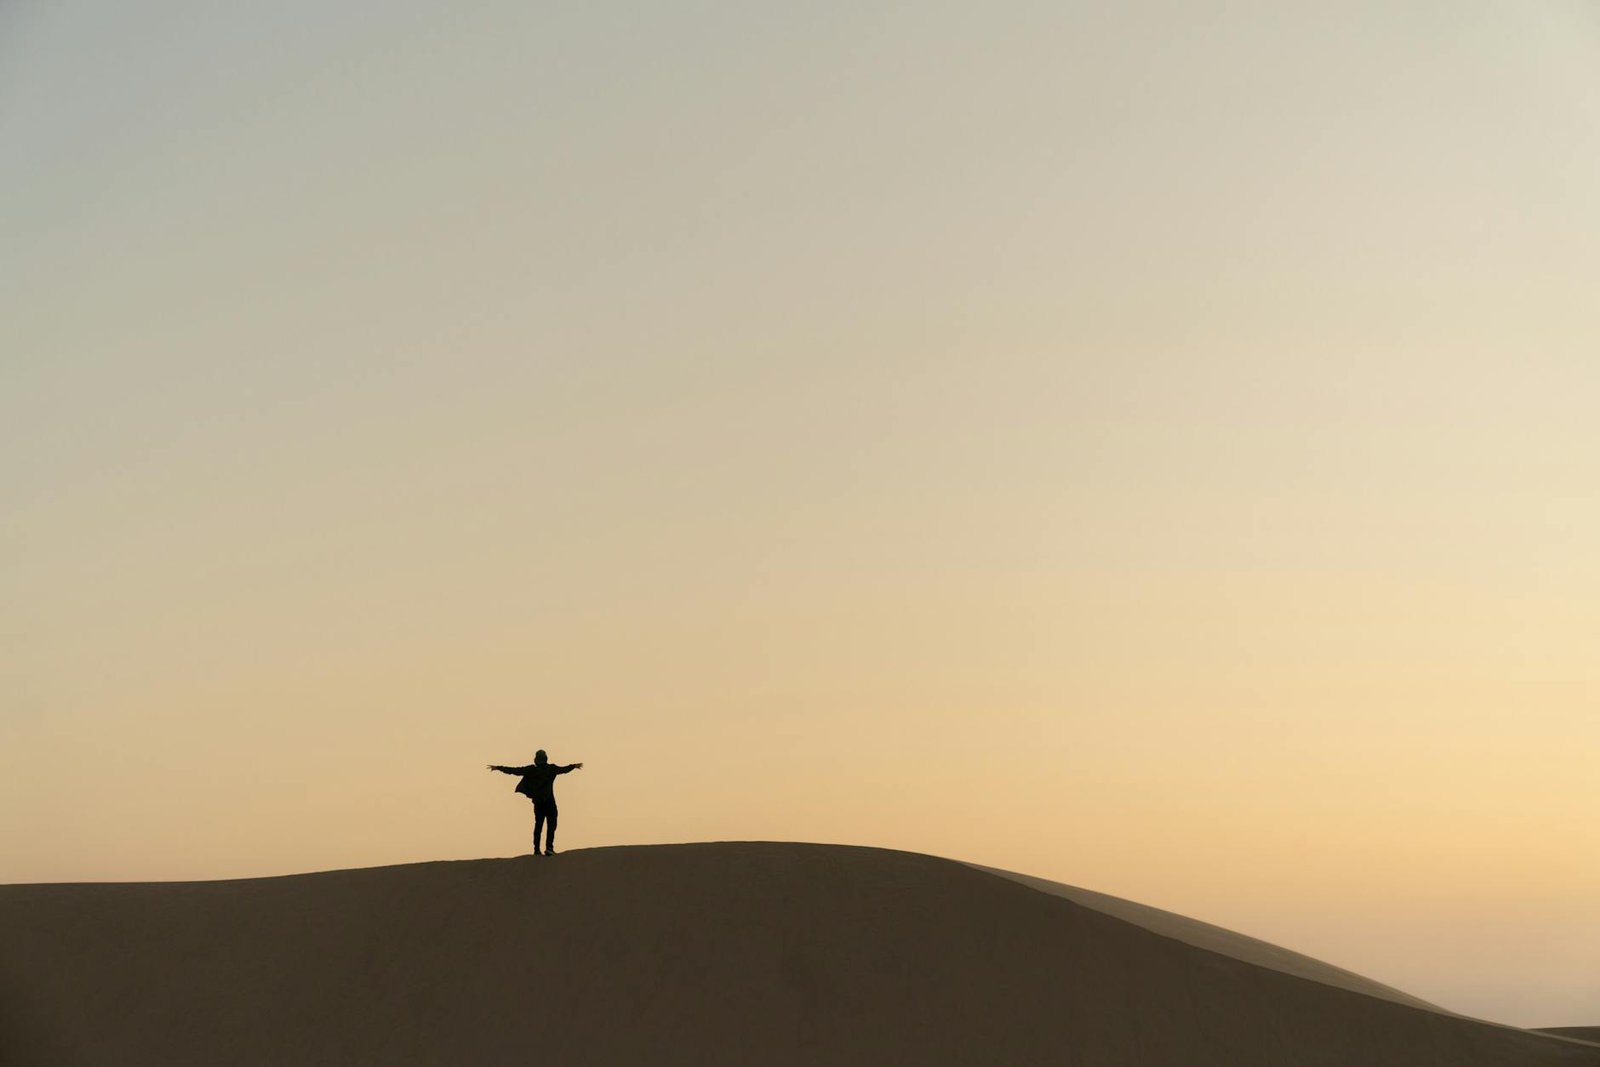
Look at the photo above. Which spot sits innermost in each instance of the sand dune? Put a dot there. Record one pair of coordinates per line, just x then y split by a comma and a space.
686, 954
1590, 1034
1216, 939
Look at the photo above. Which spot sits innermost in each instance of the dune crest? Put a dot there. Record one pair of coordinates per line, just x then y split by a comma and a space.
1591, 1034
725, 953
1219, 940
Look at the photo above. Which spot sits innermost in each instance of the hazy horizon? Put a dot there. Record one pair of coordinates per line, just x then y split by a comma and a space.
1152, 449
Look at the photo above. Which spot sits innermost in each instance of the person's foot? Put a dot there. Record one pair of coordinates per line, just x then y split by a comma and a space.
549, 852
536, 852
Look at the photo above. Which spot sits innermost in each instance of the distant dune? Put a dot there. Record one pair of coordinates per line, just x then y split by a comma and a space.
734, 953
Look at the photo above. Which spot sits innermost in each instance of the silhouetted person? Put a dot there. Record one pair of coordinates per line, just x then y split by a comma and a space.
539, 785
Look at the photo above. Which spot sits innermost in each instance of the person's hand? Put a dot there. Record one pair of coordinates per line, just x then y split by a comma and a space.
577, 766
491, 767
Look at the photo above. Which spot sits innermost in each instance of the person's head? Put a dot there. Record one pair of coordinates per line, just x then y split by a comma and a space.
540, 758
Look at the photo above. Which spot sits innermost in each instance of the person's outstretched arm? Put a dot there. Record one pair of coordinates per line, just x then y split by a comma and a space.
510, 770
568, 767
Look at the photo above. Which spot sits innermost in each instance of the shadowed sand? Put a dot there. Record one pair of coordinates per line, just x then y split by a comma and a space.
1590, 1034
736, 953
1216, 939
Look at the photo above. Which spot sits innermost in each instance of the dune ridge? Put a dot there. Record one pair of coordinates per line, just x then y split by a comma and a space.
683, 954
1219, 940
1591, 1034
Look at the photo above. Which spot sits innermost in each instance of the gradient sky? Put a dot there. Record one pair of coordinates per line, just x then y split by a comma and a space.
1149, 446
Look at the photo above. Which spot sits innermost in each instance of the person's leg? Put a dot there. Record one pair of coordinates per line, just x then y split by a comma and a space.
550, 835
538, 825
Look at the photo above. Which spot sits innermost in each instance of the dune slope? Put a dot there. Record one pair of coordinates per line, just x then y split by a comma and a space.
737, 953
1590, 1034
1216, 939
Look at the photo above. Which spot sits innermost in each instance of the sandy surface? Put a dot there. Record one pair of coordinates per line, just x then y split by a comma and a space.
733, 953
1577, 1033
1216, 939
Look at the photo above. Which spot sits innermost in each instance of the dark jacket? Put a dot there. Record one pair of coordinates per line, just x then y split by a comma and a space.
539, 780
